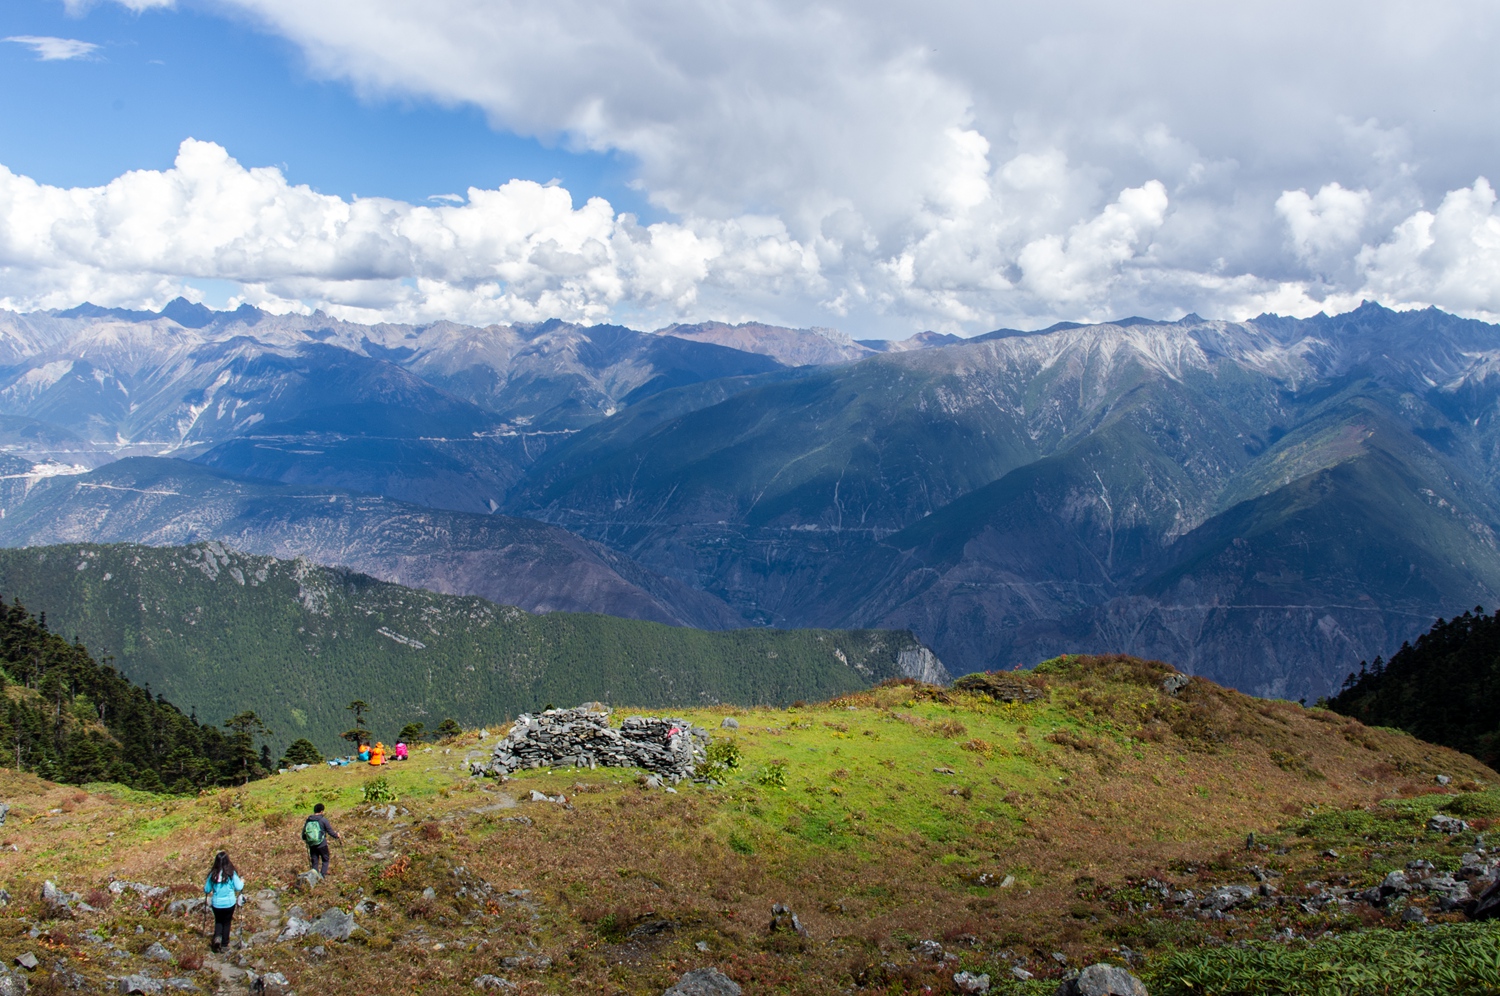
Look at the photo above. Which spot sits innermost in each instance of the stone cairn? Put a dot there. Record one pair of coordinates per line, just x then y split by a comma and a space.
583, 738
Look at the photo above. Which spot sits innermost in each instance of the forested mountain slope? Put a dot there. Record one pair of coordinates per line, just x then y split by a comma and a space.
219, 632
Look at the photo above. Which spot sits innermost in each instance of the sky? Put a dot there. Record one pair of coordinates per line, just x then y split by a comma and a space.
877, 167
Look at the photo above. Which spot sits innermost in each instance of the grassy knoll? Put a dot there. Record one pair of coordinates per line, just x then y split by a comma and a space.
1007, 833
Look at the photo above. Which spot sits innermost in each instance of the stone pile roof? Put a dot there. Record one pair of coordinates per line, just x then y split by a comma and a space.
583, 738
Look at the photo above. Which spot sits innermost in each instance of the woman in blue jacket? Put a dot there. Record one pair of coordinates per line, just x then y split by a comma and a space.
222, 888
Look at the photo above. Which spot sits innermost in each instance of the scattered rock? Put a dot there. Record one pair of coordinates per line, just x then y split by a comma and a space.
931, 950
55, 901
729, 723
4, 812
157, 952
1444, 780
1103, 980
12, 985
702, 946
536, 796
309, 879
704, 982
1173, 684
271, 984
583, 738
139, 984
429, 893
1487, 906
492, 982
295, 927
1227, 897
782, 918
1330, 853
998, 685
1413, 915
27, 961
1449, 825
334, 924
968, 982
1019, 973
185, 905
1394, 884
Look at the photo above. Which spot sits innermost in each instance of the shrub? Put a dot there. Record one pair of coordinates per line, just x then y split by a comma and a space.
378, 790
772, 775
722, 756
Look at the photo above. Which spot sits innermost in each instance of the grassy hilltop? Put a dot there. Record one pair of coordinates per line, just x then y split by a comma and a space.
1010, 834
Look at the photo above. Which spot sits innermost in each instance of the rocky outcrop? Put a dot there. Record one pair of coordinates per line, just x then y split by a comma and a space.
583, 738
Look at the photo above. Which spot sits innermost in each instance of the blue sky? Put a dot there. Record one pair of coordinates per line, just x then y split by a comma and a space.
876, 166
161, 75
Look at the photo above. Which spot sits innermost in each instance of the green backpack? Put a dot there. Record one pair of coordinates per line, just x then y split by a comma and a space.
312, 832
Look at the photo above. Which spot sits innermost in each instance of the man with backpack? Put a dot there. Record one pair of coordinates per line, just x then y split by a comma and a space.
316, 832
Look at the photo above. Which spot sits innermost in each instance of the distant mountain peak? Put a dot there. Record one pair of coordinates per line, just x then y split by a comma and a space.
188, 314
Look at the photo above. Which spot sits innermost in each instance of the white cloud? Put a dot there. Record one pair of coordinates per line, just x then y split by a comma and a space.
49, 49
888, 165
1449, 257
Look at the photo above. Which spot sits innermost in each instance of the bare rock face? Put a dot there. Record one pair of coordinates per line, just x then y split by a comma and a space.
999, 686
583, 738
922, 664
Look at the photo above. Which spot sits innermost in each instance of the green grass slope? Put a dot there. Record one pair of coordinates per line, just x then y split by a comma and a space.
218, 632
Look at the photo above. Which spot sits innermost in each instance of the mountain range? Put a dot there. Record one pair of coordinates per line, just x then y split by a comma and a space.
1263, 502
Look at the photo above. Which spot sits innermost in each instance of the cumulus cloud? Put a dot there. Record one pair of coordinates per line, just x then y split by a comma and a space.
49, 49
878, 164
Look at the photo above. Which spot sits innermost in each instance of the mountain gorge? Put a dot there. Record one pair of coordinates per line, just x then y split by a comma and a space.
1263, 502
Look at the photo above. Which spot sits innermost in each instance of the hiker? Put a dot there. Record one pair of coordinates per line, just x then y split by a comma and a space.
364, 752
400, 750
316, 832
377, 756
222, 887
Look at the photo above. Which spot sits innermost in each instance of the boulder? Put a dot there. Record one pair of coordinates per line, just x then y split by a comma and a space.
1487, 906
55, 901
1394, 884
1227, 897
488, 981
1450, 825
295, 927
704, 982
583, 738
728, 723
27, 961
12, 985
309, 879
968, 982
782, 918
4, 812
1173, 684
334, 924
157, 952
139, 984
1103, 980
998, 685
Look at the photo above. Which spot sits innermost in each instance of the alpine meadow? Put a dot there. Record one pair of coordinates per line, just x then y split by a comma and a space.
993, 499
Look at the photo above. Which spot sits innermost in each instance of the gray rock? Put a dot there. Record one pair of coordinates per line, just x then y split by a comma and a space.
56, 901
1413, 915
583, 738
930, 950
140, 984
729, 723
182, 984
429, 893
27, 961
1487, 906
1449, 825
1226, 897
1172, 684
1103, 980
309, 879
271, 983
12, 985
1444, 780
185, 905
968, 982
334, 924
1395, 883
782, 918
1019, 973
493, 982
4, 812
704, 982
157, 952
295, 927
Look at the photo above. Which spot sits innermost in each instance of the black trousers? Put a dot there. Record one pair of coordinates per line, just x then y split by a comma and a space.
317, 857
221, 926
